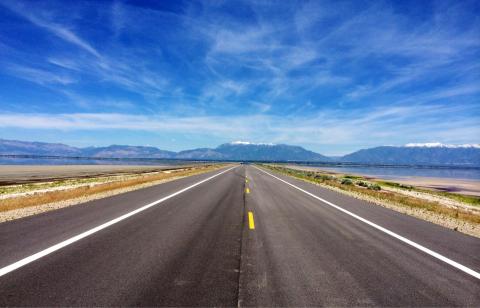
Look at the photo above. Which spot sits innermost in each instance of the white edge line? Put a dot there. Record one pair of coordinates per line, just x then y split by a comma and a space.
432, 253
9, 268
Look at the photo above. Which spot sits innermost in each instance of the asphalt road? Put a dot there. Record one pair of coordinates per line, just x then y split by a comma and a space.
191, 243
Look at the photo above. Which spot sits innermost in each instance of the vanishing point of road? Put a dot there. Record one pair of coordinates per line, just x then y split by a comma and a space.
239, 236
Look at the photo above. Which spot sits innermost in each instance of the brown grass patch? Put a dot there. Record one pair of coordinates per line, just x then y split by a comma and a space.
62, 195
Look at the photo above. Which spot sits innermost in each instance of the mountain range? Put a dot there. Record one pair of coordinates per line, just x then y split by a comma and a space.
417, 154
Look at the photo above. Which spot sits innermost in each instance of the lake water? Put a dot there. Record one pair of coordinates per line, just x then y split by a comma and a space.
85, 161
391, 172
386, 172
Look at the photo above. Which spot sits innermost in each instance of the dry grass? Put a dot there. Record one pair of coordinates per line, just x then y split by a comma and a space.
399, 199
61, 195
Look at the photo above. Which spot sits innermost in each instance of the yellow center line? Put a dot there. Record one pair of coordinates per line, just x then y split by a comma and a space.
251, 222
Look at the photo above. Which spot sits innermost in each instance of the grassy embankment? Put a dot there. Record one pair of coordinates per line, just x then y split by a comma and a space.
97, 185
470, 200
360, 186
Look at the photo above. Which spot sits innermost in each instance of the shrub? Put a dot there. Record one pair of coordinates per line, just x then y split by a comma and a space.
346, 181
323, 177
353, 177
398, 185
374, 187
362, 183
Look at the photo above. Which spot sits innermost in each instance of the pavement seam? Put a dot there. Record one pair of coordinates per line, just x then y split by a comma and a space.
242, 237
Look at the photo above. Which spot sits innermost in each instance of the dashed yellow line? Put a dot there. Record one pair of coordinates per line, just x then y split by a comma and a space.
251, 222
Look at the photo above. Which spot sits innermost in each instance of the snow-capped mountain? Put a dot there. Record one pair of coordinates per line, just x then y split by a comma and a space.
410, 154
237, 150
441, 145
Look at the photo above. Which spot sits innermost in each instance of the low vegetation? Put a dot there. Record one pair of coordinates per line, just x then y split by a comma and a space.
22, 188
470, 200
98, 185
396, 185
363, 187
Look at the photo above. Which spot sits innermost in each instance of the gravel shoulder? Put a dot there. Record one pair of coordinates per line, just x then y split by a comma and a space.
20, 174
435, 215
21, 200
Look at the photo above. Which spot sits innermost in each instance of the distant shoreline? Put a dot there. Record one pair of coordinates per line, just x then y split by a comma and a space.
446, 184
21, 174
6, 159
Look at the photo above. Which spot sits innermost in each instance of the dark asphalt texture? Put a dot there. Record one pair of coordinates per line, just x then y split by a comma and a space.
196, 249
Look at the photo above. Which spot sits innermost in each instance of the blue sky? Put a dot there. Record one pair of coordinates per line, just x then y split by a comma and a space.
332, 76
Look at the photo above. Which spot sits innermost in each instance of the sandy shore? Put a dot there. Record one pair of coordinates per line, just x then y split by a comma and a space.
459, 186
19, 174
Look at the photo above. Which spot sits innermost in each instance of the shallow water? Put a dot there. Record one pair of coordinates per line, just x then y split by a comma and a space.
399, 172
86, 161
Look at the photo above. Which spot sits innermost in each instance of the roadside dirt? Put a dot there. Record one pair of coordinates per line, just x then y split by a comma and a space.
17, 206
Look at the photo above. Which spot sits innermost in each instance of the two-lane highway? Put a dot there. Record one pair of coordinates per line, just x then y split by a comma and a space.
239, 236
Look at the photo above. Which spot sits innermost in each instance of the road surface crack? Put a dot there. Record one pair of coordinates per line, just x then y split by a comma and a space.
242, 237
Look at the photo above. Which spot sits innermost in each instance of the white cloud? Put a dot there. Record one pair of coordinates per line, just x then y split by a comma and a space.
320, 131
123, 67
40, 76
257, 71
54, 28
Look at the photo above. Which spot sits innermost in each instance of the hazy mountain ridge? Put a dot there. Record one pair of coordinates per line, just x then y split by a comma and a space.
265, 152
16, 147
125, 151
228, 151
201, 153
417, 155
411, 154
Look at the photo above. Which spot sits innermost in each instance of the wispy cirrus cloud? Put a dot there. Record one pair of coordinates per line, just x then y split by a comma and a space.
319, 73
126, 70
60, 31
40, 76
